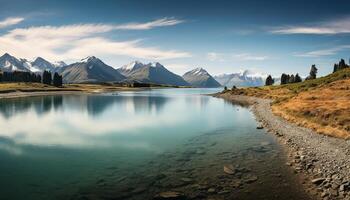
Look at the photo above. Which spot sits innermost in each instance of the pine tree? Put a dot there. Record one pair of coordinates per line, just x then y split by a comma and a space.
57, 80
47, 78
284, 79
297, 78
313, 72
269, 80
291, 79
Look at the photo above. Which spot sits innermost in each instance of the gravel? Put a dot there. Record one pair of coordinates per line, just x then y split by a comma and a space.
322, 159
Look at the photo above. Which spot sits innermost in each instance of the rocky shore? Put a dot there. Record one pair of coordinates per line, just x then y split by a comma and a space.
323, 162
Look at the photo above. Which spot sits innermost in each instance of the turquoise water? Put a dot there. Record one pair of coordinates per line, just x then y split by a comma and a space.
54, 146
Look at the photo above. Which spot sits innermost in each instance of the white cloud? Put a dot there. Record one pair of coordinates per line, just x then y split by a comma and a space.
80, 40
10, 21
328, 27
150, 25
249, 57
213, 56
323, 52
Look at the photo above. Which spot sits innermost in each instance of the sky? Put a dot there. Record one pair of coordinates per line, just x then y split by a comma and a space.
271, 37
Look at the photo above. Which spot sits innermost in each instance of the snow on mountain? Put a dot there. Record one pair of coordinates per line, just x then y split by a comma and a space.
127, 69
10, 63
151, 73
244, 78
59, 64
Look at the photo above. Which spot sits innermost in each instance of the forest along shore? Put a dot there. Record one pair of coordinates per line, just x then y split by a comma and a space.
324, 160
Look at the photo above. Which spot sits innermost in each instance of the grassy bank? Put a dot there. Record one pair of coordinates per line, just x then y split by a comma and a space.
322, 104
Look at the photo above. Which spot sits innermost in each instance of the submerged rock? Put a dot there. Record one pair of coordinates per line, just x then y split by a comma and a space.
229, 169
170, 195
250, 179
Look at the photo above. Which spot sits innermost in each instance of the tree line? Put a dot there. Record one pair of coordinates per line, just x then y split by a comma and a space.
286, 78
20, 76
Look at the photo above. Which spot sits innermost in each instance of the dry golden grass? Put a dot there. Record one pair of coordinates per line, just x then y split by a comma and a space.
322, 104
326, 109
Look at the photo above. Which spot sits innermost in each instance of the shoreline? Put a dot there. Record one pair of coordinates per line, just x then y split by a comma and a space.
20, 94
322, 160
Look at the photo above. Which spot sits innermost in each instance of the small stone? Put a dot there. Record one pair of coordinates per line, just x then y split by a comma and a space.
187, 180
211, 190
259, 127
170, 195
318, 181
229, 169
251, 179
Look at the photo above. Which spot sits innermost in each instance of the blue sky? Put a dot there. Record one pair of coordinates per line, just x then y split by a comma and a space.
220, 36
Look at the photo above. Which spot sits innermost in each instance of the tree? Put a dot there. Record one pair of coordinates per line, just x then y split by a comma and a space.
291, 79
284, 79
313, 72
269, 80
297, 78
57, 80
47, 78
340, 66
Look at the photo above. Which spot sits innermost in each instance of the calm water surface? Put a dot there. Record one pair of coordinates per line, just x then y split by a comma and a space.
97, 146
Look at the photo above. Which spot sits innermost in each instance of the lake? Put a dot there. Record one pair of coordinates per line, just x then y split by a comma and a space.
136, 145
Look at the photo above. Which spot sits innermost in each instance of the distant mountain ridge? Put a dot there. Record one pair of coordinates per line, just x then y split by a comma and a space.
9, 63
92, 69
246, 78
89, 70
151, 73
199, 77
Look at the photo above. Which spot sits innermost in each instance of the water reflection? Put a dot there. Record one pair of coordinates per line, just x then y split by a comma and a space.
94, 104
41, 105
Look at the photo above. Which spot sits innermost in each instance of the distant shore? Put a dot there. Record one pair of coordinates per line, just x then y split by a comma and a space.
323, 161
15, 90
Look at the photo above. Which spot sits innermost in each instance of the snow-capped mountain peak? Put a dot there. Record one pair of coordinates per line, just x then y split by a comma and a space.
10, 63
155, 64
132, 66
59, 64
242, 78
252, 74
89, 59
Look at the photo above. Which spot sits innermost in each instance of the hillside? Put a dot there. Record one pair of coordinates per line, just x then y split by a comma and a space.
322, 104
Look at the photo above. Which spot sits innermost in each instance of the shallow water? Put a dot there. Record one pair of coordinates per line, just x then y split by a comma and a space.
135, 145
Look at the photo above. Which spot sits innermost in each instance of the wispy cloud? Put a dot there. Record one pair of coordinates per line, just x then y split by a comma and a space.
328, 27
249, 57
213, 56
80, 40
149, 25
323, 52
10, 21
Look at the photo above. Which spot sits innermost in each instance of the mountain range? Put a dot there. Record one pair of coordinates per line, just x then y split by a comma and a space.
94, 70
151, 73
10, 63
89, 70
246, 78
